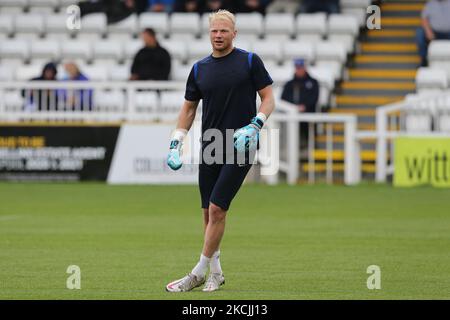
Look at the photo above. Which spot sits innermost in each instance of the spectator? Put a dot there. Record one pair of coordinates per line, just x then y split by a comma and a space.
287, 6
152, 62
328, 6
188, 6
214, 5
80, 99
303, 91
42, 99
435, 25
115, 10
252, 5
160, 5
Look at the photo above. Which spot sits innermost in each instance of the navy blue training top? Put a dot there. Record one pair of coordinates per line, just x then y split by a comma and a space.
228, 87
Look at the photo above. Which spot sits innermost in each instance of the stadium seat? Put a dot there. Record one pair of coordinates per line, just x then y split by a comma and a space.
95, 72
199, 49
243, 44
123, 30
358, 13
6, 26
120, 72
43, 6
442, 65
296, 49
343, 28
13, 6
109, 100
181, 73
268, 50
280, 75
107, 52
27, 72
429, 78
146, 102
439, 50
78, 50
29, 26
249, 23
177, 49
355, 3
279, 24
171, 101
56, 28
93, 26
157, 20
204, 26
13, 100
131, 48
44, 50
7, 72
331, 55
312, 25
14, 51
187, 24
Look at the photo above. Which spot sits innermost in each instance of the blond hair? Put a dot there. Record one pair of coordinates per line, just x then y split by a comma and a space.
222, 15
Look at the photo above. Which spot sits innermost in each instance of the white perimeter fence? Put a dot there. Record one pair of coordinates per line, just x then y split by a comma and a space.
150, 101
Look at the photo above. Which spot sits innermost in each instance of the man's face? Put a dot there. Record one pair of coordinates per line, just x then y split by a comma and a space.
222, 34
148, 39
300, 71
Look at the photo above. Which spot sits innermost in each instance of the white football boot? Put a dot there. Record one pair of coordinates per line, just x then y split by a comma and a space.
187, 283
215, 280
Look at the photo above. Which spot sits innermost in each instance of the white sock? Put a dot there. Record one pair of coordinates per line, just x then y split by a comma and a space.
202, 266
214, 264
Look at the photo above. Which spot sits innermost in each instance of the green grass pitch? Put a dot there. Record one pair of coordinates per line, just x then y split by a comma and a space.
281, 242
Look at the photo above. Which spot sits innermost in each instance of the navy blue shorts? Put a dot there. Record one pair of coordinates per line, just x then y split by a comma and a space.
219, 183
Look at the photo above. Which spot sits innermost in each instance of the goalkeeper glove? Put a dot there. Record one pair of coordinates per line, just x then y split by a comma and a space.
176, 145
246, 138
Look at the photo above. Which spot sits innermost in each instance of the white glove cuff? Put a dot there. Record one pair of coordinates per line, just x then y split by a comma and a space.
262, 116
179, 134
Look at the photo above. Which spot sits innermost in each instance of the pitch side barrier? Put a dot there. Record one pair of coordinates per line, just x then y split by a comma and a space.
424, 117
125, 104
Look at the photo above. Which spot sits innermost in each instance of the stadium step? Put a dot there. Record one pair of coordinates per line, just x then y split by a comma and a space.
336, 167
338, 155
391, 33
382, 74
385, 47
402, 21
378, 85
399, 7
366, 112
340, 139
367, 100
387, 59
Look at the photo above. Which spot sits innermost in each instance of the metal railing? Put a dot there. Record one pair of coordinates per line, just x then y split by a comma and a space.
148, 101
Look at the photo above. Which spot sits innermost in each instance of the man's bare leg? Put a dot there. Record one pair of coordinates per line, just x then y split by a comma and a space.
214, 230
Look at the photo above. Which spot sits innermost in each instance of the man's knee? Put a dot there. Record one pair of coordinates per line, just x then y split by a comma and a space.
216, 213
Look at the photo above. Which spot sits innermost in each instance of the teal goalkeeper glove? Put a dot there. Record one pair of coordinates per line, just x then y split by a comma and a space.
176, 145
246, 138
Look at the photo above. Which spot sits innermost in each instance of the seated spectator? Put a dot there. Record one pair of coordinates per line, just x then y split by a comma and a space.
214, 5
252, 5
160, 5
435, 25
115, 10
287, 6
80, 99
188, 6
313, 6
152, 62
42, 99
303, 91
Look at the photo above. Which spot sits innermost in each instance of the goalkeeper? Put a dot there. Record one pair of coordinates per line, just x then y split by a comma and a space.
227, 81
